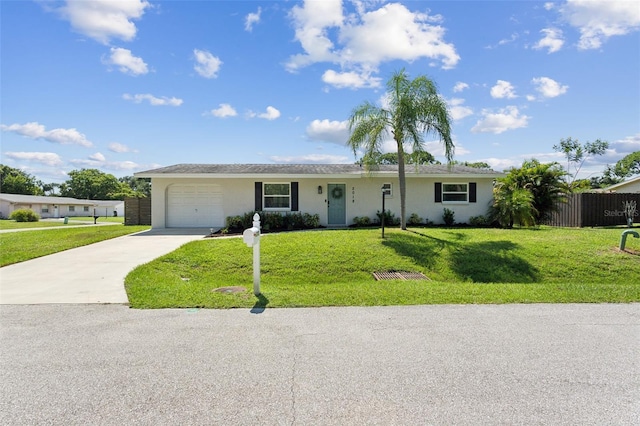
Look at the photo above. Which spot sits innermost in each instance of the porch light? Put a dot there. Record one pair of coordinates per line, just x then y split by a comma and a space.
319, 189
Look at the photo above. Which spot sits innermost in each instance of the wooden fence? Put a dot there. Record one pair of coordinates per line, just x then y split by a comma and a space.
137, 211
597, 209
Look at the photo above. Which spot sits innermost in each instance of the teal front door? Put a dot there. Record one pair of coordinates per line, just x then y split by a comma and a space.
336, 204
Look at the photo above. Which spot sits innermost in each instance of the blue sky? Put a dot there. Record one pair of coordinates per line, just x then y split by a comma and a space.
124, 86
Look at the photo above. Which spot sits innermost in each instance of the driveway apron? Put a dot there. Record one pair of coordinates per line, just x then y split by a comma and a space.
88, 274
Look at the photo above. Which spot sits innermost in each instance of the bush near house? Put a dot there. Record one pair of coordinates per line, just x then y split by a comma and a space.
24, 215
274, 221
448, 216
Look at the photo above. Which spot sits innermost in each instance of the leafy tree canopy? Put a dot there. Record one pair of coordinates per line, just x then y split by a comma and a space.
15, 181
92, 184
577, 153
628, 166
141, 187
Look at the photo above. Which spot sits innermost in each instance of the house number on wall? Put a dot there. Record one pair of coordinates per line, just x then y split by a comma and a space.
353, 194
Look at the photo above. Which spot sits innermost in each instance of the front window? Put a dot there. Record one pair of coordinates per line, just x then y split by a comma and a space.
455, 193
277, 196
45, 209
72, 208
85, 208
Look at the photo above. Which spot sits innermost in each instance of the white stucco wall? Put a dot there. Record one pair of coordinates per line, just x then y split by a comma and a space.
363, 196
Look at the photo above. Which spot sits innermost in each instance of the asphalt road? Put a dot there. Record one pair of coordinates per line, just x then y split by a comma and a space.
473, 364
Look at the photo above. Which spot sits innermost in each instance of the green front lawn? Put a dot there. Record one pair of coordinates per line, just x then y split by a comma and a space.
20, 246
12, 224
334, 268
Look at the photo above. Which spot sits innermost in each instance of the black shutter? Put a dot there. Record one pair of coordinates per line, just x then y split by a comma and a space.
294, 196
438, 192
258, 193
472, 192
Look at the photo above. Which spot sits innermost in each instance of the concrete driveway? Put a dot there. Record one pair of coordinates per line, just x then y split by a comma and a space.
89, 274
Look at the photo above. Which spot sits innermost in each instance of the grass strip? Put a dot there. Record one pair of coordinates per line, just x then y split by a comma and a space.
20, 246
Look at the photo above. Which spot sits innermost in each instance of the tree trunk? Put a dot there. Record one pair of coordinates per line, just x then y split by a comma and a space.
403, 187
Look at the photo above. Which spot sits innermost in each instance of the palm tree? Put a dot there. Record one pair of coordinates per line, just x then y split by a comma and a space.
414, 110
511, 205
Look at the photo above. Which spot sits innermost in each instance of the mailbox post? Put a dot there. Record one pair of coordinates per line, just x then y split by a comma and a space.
251, 237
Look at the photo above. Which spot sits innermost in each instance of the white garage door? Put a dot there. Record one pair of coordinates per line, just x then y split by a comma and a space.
194, 206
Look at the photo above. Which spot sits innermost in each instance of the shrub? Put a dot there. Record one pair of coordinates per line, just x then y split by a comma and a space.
274, 221
362, 221
414, 220
448, 217
478, 221
389, 218
24, 215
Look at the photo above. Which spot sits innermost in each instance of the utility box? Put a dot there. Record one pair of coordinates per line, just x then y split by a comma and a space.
250, 236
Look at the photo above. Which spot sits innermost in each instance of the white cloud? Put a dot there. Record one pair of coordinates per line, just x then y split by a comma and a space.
501, 164
503, 89
312, 159
552, 40
224, 110
597, 20
549, 6
155, 101
627, 145
311, 22
458, 110
351, 79
206, 65
119, 148
103, 20
549, 88
36, 130
126, 62
270, 114
99, 161
97, 157
360, 42
251, 19
46, 158
328, 131
460, 86
508, 118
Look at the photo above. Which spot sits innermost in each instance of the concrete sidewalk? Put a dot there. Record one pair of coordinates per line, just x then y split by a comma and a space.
410, 365
89, 274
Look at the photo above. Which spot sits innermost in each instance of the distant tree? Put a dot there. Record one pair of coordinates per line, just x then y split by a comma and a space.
576, 154
15, 181
92, 184
50, 188
476, 165
420, 158
414, 109
545, 182
141, 187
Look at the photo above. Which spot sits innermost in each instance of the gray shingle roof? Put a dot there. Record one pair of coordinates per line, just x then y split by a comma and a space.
311, 169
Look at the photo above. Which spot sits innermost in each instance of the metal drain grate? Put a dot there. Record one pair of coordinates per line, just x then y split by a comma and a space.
399, 275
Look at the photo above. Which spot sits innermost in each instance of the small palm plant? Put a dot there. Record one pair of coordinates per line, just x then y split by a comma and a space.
512, 205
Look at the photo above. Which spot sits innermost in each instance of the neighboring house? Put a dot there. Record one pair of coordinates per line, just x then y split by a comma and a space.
55, 207
204, 195
630, 186
109, 207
